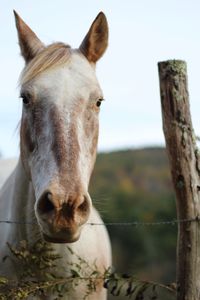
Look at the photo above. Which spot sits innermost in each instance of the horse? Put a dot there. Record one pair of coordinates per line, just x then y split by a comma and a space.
48, 189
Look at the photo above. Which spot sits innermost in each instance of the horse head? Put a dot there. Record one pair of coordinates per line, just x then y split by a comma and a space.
59, 126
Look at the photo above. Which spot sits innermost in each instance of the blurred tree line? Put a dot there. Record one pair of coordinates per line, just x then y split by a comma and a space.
135, 185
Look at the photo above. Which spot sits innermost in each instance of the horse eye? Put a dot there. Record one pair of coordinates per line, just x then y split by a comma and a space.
98, 103
26, 99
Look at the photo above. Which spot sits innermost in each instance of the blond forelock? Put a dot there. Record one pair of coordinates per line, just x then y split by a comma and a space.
54, 55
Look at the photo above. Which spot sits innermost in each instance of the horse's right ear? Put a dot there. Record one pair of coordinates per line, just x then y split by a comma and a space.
29, 43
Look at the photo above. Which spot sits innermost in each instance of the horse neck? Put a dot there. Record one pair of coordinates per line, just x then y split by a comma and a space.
23, 206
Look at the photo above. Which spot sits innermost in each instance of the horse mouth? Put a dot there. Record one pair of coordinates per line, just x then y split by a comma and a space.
61, 240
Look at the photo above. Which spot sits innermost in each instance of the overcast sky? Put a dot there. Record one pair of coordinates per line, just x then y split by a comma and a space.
142, 33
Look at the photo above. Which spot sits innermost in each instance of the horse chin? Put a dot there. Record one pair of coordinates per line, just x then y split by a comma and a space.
61, 240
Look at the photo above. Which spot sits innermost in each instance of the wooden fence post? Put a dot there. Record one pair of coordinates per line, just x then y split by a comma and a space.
185, 170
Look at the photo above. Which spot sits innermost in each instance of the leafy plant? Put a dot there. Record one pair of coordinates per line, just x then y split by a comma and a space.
38, 275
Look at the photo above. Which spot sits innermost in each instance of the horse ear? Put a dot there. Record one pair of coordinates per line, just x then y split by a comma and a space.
96, 40
29, 43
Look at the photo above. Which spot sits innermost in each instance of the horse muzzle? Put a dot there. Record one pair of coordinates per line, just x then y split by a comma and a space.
61, 220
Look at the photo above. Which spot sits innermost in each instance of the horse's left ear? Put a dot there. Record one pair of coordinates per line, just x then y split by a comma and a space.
29, 43
96, 40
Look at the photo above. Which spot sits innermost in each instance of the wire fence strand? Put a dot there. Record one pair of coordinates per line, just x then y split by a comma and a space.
121, 224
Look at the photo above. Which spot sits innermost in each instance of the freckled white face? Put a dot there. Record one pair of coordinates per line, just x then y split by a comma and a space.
59, 129
59, 126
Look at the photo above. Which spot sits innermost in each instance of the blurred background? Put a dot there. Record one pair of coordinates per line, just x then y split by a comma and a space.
135, 185
131, 180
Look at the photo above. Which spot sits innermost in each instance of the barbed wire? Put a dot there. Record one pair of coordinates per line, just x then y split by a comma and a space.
122, 224
156, 223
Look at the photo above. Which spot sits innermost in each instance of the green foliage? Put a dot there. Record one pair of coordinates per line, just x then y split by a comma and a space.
133, 288
37, 267
38, 273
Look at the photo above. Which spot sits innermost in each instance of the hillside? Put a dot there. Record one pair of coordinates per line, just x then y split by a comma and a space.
135, 185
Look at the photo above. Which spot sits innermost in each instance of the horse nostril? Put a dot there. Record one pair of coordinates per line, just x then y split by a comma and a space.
83, 208
45, 204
